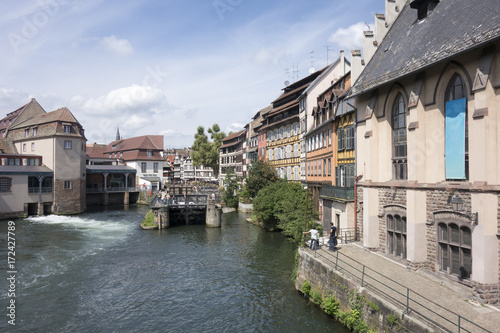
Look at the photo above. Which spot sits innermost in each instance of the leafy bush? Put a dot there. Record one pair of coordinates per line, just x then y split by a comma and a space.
260, 175
317, 297
391, 319
331, 306
228, 196
245, 196
306, 287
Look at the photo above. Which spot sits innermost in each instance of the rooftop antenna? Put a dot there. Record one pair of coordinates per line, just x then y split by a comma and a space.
369, 28
296, 71
327, 50
311, 69
287, 72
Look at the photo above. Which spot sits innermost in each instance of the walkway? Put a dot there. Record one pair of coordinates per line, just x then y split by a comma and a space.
443, 303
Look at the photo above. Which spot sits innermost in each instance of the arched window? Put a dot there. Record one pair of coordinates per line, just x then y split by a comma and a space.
455, 249
396, 235
456, 127
399, 149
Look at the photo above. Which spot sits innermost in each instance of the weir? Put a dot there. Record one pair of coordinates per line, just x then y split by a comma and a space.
187, 209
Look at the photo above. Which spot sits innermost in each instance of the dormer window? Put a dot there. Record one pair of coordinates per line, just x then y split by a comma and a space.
113, 146
67, 129
35, 130
26, 132
150, 153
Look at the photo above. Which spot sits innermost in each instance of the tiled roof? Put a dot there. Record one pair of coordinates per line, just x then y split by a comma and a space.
148, 142
233, 135
96, 151
453, 27
7, 146
59, 115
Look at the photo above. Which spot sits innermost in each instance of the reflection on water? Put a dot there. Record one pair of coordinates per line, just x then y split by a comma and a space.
99, 272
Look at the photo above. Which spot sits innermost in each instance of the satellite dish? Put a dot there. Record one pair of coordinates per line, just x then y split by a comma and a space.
311, 70
287, 83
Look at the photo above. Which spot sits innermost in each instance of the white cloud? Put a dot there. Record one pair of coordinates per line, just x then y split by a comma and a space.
350, 38
120, 47
131, 99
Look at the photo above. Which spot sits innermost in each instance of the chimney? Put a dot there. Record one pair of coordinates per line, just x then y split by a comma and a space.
381, 27
356, 66
368, 46
392, 10
342, 62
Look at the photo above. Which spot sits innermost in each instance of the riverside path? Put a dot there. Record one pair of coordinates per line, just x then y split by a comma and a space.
445, 305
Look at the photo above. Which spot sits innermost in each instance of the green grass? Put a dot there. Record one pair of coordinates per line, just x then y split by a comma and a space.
149, 220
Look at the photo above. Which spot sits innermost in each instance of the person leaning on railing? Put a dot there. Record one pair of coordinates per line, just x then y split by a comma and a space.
314, 238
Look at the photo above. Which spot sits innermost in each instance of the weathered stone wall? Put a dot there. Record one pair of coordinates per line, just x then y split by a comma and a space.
388, 196
69, 200
329, 282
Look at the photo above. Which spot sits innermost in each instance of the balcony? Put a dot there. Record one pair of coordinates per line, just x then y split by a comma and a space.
338, 193
34, 190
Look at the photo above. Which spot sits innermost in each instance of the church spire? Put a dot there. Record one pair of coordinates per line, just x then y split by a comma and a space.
118, 134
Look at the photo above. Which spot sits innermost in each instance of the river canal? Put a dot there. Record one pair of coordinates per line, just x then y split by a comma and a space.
99, 272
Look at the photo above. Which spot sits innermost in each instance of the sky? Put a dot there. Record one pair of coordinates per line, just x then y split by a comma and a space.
166, 67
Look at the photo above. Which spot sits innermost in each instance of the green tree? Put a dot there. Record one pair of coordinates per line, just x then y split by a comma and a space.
260, 175
230, 195
204, 152
282, 206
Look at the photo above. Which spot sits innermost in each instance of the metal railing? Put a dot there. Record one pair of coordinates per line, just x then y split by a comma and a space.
402, 296
35, 190
346, 235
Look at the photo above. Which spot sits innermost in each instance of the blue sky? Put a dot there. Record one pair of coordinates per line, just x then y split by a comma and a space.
166, 67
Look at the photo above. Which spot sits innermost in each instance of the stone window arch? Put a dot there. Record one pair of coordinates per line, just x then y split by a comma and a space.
455, 248
396, 230
456, 129
399, 138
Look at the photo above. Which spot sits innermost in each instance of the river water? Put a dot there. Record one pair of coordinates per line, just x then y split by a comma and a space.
99, 272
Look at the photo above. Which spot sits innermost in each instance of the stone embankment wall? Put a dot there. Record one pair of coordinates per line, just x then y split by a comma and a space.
377, 313
246, 208
143, 198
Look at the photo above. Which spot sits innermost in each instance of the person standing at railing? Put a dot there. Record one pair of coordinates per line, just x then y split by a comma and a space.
333, 237
314, 238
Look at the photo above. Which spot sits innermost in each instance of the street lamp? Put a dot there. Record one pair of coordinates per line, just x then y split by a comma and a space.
457, 204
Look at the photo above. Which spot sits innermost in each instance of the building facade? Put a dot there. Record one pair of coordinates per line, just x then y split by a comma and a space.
231, 156
282, 128
428, 143
59, 139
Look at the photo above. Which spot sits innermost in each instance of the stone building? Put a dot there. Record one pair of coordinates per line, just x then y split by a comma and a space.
58, 138
428, 142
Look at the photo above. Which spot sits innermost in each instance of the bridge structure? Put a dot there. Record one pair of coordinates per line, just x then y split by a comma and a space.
183, 206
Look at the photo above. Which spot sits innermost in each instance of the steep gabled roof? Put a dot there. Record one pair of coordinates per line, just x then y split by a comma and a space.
30, 109
453, 27
59, 115
147, 142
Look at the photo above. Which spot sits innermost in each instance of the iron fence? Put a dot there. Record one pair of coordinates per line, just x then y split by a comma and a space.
401, 296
